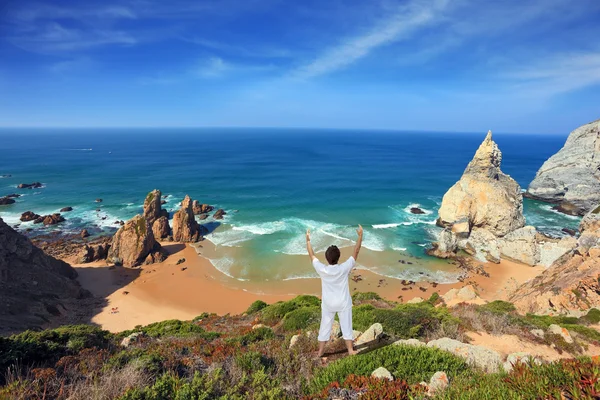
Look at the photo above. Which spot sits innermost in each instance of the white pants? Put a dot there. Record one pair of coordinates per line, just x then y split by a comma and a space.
327, 318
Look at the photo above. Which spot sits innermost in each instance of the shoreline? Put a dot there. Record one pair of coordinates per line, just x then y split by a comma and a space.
167, 290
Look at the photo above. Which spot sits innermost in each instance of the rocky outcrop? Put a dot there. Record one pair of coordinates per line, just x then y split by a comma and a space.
480, 357
66, 209
201, 208
34, 287
52, 219
133, 243
573, 280
571, 177
33, 185
29, 216
4, 201
160, 228
95, 252
152, 207
219, 214
185, 226
484, 197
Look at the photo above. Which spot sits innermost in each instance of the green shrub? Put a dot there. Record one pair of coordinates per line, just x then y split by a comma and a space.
149, 361
37, 349
202, 316
301, 318
544, 321
275, 312
405, 321
498, 307
364, 296
410, 363
254, 361
173, 327
592, 317
370, 388
255, 335
588, 333
256, 307
434, 298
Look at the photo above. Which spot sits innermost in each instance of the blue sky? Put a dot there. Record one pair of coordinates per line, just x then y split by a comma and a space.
449, 65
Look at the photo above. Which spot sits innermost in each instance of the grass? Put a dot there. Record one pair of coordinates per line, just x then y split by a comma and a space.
172, 327
256, 307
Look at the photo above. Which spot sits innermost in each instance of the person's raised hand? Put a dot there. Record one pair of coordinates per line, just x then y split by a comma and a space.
308, 235
359, 231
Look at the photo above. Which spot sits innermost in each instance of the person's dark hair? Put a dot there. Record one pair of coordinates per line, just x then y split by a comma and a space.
332, 255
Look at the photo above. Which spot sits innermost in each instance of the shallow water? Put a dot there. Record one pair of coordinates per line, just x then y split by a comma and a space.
274, 184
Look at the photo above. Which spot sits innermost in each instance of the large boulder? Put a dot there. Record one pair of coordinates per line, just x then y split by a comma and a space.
484, 197
29, 216
201, 208
132, 243
477, 356
521, 245
35, 288
185, 226
152, 208
373, 333
572, 282
571, 177
4, 201
160, 228
483, 245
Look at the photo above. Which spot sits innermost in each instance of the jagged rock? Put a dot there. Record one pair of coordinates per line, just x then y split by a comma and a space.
161, 228
4, 201
483, 245
131, 339
563, 332
29, 216
571, 177
572, 282
185, 227
34, 287
438, 383
294, 339
49, 219
93, 253
201, 208
409, 342
132, 243
446, 245
550, 251
152, 208
521, 357
521, 245
374, 332
33, 185
219, 214
13, 196
157, 255
84, 233
466, 294
484, 197
66, 209
416, 210
477, 356
382, 373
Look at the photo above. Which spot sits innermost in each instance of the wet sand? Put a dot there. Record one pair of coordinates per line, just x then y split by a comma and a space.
139, 296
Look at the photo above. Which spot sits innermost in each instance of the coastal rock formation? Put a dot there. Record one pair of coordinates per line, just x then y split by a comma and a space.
132, 243
219, 214
484, 197
152, 207
201, 208
33, 185
160, 228
481, 357
185, 226
34, 287
91, 253
52, 219
571, 177
66, 209
4, 201
573, 280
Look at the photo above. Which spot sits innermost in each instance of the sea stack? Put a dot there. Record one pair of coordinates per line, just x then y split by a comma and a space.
157, 218
572, 283
185, 226
134, 244
484, 205
571, 177
34, 287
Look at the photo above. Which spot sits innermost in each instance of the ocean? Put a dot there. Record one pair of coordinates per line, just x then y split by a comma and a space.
273, 183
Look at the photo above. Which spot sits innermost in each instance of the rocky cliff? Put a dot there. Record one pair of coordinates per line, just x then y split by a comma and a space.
572, 283
134, 244
34, 287
571, 177
185, 226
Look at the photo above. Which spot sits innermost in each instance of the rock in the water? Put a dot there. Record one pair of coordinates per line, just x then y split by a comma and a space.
185, 226
33, 185
66, 209
571, 177
98, 200
416, 210
4, 201
84, 233
484, 197
161, 228
201, 208
29, 216
373, 333
34, 287
49, 219
13, 196
572, 282
562, 332
132, 243
219, 214
382, 373
438, 383
519, 357
152, 208
477, 356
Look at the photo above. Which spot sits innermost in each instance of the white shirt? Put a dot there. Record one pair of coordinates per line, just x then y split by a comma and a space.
334, 283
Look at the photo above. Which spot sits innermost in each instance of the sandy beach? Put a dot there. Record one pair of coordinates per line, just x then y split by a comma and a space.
139, 296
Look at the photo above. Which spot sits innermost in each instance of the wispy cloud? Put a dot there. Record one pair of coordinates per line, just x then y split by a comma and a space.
213, 67
404, 22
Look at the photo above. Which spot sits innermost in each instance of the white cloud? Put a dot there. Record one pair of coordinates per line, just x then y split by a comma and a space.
400, 25
213, 67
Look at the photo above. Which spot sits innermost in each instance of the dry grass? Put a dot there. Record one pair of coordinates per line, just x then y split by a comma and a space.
111, 384
485, 321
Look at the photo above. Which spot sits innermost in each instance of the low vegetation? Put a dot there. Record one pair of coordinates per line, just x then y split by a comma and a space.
228, 357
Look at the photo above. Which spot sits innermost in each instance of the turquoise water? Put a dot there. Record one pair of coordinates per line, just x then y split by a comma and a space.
274, 184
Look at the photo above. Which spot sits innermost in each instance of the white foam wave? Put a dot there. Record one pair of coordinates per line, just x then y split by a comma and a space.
416, 205
398, 248
548, 207
224, 265
266, 228
385, 226
79, 149
416, 274
230, 237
